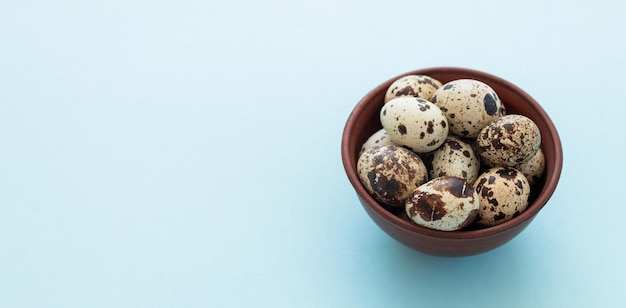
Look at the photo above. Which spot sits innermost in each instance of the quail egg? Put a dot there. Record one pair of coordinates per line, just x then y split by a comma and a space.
390, 173
503, 194
533, 168
509, 141
413, 85
469, 105
455, 157
444, 203
415, 123
380, 137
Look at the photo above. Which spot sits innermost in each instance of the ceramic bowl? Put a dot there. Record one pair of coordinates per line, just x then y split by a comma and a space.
364, 121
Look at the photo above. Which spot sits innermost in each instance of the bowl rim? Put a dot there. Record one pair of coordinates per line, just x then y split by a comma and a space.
541, 199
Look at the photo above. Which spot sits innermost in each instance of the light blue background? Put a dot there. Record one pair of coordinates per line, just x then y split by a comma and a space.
186, 153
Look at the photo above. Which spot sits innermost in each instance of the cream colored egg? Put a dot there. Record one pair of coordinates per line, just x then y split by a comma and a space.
455, 157
421, 86
444, 203
380, 137
533, 168
469, 105
503, 194
509, 141
415, 123
391, 173
503, 110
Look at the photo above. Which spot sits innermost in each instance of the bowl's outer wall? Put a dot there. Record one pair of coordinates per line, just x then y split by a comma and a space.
445, 247
364, 121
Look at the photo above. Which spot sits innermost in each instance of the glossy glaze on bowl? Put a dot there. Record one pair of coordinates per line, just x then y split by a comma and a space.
364, 121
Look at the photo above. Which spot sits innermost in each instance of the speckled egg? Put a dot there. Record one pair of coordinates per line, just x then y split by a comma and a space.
380, 137
415, 123
455, 157
503, 194
391, 173
533, 168
503, 111
468, 104
421, 86
509, 141
444, 203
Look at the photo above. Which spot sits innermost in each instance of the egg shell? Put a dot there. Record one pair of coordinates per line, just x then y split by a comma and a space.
533, 168
415, 123
421, 86
444, 203
380, 137
503, 111
503, 193
390, 173
509, 141
455, 157
468, 104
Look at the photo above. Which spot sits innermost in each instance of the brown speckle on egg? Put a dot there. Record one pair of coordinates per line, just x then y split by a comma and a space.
491, 104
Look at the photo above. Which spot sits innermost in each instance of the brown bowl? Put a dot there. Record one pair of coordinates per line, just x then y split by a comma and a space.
364, 121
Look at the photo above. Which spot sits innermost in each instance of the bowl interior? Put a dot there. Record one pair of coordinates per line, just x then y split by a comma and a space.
364, 121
